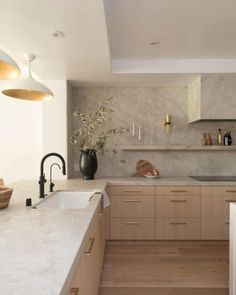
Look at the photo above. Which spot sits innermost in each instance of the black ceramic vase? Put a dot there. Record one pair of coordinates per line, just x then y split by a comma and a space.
88, 163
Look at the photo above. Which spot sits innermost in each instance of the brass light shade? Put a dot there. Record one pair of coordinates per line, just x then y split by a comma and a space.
29, 88
8, 67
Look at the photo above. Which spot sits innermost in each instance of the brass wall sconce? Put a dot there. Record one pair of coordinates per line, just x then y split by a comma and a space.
168, 123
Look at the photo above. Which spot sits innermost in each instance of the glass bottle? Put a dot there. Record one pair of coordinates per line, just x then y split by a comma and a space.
219, 137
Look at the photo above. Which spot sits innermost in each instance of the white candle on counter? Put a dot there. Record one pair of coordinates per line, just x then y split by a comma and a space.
133, 129
139, 132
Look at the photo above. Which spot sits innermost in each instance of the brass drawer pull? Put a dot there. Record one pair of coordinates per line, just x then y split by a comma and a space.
132, 201
178, 191
74, 291
227, 223
228, 201
90, 247
230, 191
132, 191
132, 222
178, 201
178, 223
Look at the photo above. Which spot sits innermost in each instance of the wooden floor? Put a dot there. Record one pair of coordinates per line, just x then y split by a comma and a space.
165, 268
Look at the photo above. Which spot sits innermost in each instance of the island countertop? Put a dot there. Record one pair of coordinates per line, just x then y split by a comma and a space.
38, 246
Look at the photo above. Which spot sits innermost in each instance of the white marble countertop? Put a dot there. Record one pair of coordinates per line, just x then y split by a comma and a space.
162, 181
38, 246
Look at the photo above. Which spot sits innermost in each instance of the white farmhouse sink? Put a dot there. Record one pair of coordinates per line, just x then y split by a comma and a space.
66, 200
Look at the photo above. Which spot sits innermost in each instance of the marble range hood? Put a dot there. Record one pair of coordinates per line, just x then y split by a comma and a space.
212, 97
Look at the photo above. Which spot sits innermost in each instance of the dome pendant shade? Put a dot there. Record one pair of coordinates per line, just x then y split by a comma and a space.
8, 67
29, 88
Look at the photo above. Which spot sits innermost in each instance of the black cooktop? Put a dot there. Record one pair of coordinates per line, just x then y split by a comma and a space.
214, 178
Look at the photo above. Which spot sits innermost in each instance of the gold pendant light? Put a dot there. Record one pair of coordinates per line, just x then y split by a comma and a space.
8, 67
29, 88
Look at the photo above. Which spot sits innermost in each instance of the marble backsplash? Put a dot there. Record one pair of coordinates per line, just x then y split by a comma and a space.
147, 107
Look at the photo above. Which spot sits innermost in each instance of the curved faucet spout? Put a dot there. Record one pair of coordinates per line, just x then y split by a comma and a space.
42, 178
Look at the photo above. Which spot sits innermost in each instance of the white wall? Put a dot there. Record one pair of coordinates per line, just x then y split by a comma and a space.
55, 126
29, 130
21, 138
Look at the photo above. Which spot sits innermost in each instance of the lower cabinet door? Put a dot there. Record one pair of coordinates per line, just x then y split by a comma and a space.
132, 228
215, 229
178, 229
86, 277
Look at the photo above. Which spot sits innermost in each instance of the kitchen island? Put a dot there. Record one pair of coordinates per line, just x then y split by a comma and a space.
38, 247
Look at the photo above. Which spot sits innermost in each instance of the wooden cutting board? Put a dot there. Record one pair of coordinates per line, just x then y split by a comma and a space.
143, 167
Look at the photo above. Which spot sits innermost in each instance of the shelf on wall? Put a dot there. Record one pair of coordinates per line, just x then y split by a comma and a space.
177, 148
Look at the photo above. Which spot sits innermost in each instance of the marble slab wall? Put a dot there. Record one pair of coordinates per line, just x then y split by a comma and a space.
147, 107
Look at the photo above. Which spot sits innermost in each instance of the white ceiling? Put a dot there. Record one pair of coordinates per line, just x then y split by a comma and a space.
186, 29
94, 40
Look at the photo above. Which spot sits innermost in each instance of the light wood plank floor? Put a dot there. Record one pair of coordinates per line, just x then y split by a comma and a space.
165, 268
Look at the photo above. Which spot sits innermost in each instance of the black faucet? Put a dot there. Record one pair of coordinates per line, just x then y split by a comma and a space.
51, 184
42, 178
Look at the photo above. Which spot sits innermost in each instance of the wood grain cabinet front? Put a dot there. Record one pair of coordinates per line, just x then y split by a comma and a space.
178, 206
178, 229
215, 211
132, 229
178, 213
132, 212
132, 206
86, 276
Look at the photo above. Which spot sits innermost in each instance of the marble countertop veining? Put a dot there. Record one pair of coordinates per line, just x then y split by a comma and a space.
38, 246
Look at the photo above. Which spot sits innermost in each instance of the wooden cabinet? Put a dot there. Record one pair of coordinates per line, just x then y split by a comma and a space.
132, 206
132, 229
178, 211
178, 229
214, 229
178, 206
132, 212
170, 212
86, 277
215, 212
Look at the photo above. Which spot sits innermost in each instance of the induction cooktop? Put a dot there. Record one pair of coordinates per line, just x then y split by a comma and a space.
214, 178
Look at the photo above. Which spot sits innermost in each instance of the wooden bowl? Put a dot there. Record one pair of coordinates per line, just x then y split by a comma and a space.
5, 196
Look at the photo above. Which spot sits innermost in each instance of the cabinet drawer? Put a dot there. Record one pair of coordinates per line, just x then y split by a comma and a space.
132, 229
129, 190
219, 190
216, 206
178, 206
214, 229
132, 206
212, 206
213, 190
178, 229
178, 190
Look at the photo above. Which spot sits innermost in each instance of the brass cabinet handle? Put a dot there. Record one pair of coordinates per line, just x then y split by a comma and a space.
132, 222
178, 201
74, 291
132, 191
230, 191
178, 191
132, 201
90, 247
178, 223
